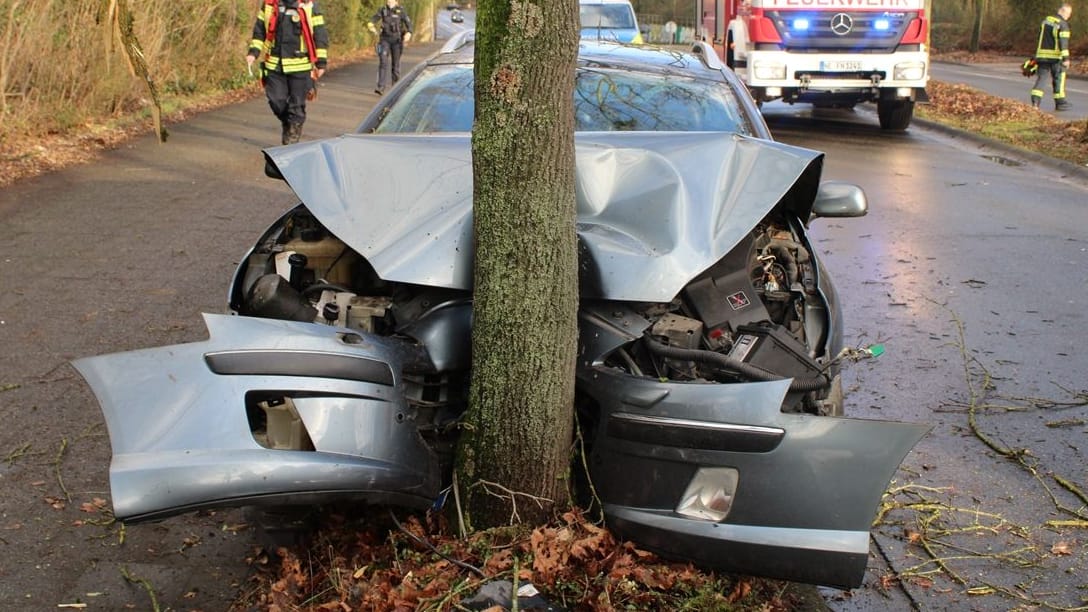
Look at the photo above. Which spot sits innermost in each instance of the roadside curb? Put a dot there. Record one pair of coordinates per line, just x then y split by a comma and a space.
1067, 168
1075, 77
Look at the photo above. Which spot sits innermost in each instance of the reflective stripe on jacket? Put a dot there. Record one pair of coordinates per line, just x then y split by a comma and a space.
1053, 39
285, 49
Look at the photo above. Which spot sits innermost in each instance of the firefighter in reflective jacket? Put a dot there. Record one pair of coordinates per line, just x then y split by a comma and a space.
291, 39
1052, 56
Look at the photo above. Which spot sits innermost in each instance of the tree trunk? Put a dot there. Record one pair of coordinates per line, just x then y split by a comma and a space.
514, 453
976, 28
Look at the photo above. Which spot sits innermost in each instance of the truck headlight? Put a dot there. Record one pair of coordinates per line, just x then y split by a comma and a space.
910, 71
709, 495
769, 70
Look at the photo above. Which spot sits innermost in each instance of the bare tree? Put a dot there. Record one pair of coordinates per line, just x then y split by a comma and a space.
514, 453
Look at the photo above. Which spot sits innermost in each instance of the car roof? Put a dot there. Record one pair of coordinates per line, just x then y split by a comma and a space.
610, 54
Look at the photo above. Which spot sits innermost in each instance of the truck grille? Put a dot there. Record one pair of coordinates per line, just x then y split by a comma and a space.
845, 31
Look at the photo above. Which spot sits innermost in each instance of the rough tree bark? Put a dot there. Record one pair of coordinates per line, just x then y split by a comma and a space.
514, 454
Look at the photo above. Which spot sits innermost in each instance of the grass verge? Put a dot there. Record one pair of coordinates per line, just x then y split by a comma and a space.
1007, 121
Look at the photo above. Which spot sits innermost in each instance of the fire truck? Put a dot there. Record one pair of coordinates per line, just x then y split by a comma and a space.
830, 53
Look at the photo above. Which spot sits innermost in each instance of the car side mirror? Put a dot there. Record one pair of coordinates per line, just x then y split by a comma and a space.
840, 199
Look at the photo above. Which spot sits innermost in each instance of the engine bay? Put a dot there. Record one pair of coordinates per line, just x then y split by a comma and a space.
756, 314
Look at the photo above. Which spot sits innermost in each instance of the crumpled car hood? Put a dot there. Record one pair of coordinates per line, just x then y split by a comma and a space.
654, 209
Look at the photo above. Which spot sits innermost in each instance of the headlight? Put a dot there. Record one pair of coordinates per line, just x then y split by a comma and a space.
910, 71
709, 495
769, 70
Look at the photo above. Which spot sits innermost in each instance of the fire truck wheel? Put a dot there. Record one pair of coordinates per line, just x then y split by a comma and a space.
895, 114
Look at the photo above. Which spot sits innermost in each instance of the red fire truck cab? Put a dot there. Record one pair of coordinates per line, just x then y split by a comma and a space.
830, 53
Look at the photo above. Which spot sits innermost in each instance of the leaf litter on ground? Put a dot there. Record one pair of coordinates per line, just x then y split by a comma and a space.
368, 562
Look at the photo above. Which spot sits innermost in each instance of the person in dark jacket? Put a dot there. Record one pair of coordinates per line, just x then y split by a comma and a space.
291, 39
394, 28
1052, 57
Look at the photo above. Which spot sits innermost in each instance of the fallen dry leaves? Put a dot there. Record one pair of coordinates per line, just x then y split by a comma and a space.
367, 563
1062, 548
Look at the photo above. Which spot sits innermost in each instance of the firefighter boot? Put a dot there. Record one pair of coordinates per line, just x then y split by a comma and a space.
294, 133
1035, 101
1062, 105
284, 136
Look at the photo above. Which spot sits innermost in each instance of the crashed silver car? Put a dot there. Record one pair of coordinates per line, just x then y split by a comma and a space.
707, 381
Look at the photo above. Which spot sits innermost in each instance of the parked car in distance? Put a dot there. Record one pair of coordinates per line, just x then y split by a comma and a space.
609, 20
457, 16
707, 385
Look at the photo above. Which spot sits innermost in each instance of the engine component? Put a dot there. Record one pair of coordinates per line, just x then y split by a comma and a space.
774, 350
723, 296
679, 331
328, 258
272, 297
297, 262
346, 309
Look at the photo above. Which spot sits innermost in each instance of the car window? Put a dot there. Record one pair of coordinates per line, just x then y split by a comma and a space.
606, 16
440, 99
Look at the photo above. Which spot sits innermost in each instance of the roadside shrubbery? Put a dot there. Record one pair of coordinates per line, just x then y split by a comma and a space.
63, 64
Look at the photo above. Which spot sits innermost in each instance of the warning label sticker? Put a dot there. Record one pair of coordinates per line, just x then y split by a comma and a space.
739, 300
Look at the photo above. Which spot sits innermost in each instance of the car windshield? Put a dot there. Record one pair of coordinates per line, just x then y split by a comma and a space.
440, 99
606, 16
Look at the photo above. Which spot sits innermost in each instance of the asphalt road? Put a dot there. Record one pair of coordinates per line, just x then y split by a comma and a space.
1004, 80
444, 28
127, 252
971, 271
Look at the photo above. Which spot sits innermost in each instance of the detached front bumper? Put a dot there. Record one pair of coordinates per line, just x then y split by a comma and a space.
718, 475
177, 419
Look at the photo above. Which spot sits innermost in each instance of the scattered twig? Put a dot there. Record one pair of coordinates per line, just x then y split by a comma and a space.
145, 584
1022, 456
1074, 523
434, 550
461, 530
17, 454
450, 599
1066, 423
510, 496
56, 468
1072, 488
1032, 601
585, 469
935, 519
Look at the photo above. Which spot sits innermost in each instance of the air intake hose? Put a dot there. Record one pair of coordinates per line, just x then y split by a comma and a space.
734, 365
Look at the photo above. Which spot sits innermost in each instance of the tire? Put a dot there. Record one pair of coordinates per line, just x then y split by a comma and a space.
895, 114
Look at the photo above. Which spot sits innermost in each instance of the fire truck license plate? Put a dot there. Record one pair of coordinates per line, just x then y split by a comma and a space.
840, 66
